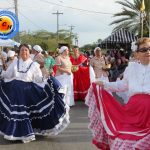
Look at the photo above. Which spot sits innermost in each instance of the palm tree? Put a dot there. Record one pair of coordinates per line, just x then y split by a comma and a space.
130, 16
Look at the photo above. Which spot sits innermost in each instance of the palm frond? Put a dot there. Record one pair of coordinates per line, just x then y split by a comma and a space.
130, 16
120, 20
127, 4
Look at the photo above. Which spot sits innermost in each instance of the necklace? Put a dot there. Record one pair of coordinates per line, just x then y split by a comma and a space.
25, 70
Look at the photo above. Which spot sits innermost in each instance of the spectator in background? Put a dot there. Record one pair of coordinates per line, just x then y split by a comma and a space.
6, 49
39, 58
98, 63
11, 57
48, 62
122, 62
4, 59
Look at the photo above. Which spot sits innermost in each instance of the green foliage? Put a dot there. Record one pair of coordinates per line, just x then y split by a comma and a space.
88, 47
47, 40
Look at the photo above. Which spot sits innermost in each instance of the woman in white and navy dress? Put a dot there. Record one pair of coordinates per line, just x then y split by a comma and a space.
30, 105
123, 127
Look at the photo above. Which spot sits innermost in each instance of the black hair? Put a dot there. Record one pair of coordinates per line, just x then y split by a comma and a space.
25, 45
75, 47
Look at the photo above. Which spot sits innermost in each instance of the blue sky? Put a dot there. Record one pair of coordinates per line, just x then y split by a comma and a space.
37, 14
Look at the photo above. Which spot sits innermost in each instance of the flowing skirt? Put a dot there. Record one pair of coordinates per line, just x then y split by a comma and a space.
67, 84
27, 109
119, 127
81, 82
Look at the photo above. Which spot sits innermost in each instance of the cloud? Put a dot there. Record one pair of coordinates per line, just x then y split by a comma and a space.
37, 14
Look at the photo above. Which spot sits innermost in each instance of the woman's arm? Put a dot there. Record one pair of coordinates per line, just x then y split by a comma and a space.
118, 86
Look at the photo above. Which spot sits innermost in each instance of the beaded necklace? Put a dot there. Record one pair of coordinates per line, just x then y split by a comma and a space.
25, 70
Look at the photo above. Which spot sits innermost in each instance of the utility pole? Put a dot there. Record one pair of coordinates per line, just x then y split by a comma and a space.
16, 12
57, 13
71, 28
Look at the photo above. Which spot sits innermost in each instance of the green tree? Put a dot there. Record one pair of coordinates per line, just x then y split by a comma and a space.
88, 47
47, 40
130, 16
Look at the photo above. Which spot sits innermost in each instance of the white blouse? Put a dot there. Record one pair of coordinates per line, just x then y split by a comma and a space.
136, 80
27, 71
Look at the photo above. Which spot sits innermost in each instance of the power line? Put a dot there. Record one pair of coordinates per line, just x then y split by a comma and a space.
30, 20
27, 18
90, 11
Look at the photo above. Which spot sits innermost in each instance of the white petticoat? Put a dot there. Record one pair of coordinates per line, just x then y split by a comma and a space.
67, 84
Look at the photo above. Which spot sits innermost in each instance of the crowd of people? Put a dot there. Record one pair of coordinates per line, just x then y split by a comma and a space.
37, 91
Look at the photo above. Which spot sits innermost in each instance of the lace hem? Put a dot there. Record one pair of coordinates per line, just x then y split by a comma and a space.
23, 138
63, 123
101, 139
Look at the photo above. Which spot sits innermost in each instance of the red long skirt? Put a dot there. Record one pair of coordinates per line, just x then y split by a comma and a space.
115, 126
81, 82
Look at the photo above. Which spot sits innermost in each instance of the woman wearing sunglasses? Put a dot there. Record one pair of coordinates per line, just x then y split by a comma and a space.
116, 126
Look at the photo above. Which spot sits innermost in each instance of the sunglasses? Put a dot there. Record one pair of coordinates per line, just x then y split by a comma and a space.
143, 50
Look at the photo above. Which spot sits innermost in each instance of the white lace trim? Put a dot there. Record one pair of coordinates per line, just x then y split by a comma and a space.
12, 138
63, 123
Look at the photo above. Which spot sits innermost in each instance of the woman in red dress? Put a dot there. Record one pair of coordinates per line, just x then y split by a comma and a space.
123, 127
81, 79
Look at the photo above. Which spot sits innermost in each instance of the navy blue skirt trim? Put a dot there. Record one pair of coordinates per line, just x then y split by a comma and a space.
27, 109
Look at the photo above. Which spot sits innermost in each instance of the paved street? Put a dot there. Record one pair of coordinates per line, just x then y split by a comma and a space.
76, 137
